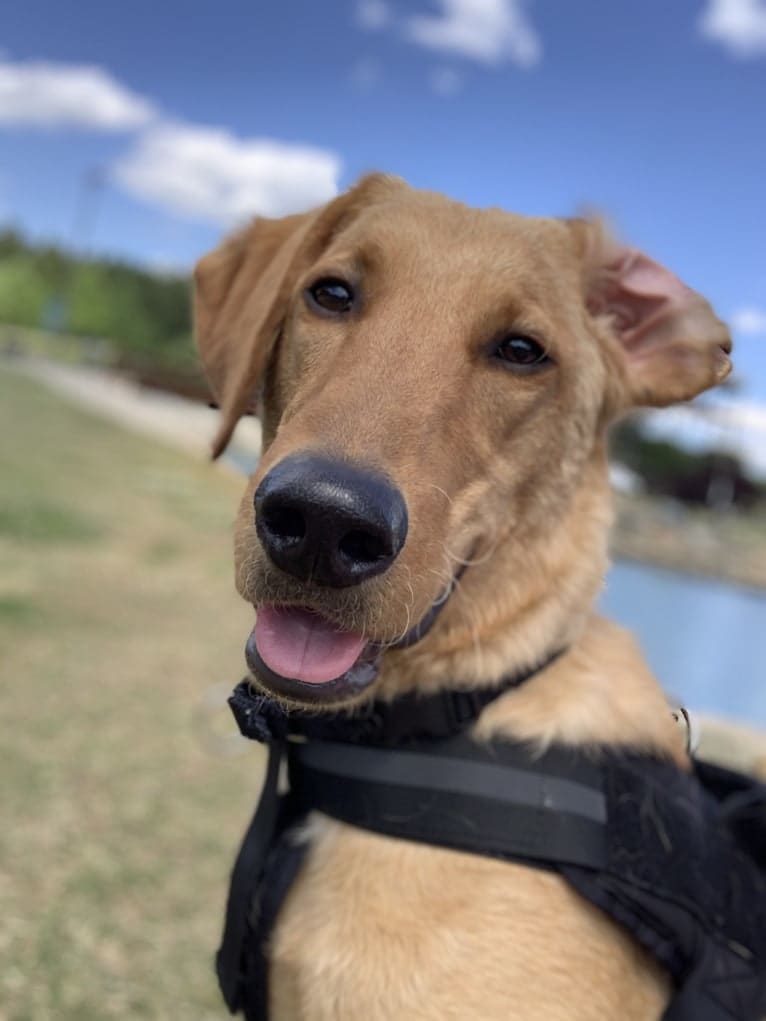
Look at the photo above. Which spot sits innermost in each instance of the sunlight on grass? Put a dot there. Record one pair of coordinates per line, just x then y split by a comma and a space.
117, 614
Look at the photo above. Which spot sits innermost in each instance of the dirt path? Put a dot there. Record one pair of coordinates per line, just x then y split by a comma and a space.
179, 422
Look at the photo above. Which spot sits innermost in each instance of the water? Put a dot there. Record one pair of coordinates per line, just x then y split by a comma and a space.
705, 640
241, 460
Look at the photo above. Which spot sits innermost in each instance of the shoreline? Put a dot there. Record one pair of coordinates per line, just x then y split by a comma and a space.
726, 547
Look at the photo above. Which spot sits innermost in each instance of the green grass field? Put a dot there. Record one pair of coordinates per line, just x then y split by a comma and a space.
121, 813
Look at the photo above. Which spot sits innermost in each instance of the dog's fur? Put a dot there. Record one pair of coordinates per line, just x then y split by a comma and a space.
501, 470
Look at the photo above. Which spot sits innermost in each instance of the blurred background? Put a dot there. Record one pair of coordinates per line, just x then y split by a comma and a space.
131, 138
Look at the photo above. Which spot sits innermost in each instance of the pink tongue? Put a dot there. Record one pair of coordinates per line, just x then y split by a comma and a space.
297, 643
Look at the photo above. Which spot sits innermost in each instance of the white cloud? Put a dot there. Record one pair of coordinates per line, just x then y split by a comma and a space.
49, 95
207, 173
488, 31
445, 81
740, 25
749, 320
372, 14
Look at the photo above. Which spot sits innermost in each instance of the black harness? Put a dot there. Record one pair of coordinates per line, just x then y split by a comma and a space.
678, 859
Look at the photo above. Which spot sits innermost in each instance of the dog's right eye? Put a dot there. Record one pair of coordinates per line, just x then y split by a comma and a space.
331, 295
521, 353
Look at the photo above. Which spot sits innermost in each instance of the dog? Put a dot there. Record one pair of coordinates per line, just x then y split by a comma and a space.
437, 384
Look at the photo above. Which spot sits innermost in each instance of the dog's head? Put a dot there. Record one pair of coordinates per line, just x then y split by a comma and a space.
436, 384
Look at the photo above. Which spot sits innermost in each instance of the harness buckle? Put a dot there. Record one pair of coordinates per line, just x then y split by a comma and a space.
258, 717
688, 725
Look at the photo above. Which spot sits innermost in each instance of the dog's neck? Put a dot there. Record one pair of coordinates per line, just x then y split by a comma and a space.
526, 601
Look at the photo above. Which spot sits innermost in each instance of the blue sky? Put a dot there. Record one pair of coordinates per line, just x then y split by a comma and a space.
196, 114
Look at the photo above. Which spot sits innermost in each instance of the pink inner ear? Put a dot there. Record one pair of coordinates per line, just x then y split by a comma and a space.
639, 294
674, 346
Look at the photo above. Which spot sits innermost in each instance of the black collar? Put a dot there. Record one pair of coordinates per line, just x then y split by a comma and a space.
410, 717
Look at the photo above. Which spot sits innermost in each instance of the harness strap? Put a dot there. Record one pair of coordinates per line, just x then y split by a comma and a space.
491, 801
248, 866
280, 870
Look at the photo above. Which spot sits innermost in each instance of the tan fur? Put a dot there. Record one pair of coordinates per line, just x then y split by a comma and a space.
501, 470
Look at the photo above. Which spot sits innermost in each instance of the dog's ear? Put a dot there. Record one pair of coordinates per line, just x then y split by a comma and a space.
242, 290
239, 291
669, 342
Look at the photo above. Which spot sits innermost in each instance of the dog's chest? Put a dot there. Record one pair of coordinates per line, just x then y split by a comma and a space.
387, 929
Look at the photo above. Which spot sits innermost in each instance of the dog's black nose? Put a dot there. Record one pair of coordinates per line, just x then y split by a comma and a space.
329, 522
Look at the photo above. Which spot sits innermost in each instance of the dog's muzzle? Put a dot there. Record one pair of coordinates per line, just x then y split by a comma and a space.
329, 524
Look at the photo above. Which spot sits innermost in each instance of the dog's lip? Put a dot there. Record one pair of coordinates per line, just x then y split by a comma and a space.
356, 679
350, 684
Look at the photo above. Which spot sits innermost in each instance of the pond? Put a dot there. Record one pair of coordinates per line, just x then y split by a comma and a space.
705, 639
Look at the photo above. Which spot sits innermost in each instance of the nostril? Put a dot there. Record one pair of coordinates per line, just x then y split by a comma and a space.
285, 523
363, 547
328, 522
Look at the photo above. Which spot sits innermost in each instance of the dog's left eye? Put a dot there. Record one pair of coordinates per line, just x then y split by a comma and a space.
521, 352
332, 295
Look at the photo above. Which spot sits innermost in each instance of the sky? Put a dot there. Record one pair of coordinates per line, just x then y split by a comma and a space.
146, 130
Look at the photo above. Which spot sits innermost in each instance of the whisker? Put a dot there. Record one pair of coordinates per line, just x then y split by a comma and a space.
475, 561
446, 495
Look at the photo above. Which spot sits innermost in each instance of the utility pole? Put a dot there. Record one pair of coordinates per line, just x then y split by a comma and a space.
56, 312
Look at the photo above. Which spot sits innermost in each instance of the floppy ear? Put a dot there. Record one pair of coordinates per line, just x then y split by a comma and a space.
669, 341
242, 290
239, 291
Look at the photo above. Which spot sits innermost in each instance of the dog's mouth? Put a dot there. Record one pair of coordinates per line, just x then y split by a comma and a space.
299, 655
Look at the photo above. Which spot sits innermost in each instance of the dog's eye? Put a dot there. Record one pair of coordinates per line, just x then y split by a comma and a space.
332, 295
521, 352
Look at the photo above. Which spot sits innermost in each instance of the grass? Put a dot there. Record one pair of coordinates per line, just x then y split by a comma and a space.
121, 812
